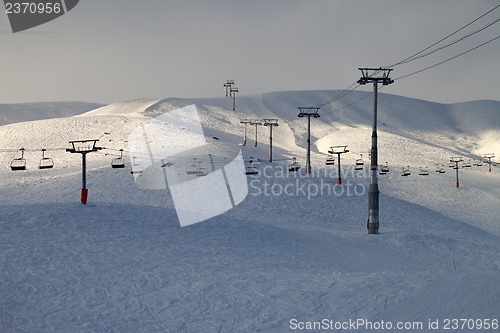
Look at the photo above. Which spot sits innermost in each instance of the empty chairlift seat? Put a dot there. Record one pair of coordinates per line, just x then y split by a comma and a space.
250, 169
330, 159
18, 163
406, 171
192, 169
45, 162
136, 168
118, 163
200, 172
359, 163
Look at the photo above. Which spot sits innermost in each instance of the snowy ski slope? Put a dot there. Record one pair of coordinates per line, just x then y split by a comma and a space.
279, 261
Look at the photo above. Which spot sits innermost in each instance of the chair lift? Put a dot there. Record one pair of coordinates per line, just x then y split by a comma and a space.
250, 169
192, 170
384, 169
330, 159
479, 163
440, 169
424, 171
406, 171
45, 162
359, 163
18, 163
118, 163
451, 165
136, 168
295, 166
467, 165
201, 171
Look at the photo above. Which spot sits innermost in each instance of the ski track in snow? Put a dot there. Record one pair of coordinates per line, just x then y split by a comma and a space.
122, 263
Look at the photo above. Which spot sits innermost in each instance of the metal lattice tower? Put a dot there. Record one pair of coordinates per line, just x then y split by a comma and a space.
308, 112
338, 150
375, 76
271, 123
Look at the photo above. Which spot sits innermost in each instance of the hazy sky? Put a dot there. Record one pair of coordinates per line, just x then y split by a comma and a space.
115, 50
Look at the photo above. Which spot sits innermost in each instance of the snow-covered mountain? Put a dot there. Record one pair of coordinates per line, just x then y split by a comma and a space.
294, 252
14, 113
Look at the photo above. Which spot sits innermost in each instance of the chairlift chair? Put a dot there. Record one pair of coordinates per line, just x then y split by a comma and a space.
424, 171
294, 166
45, 162
359, 163
440, 169
385, 168
467, 165
192, 170
479, 163
250, 169
406, 171
451, 165
136, 168
18, 163
118, 163
330, 159
200, 172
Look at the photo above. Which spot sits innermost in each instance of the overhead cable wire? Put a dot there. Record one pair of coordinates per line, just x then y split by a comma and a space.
449, 59
449, 44
443, 39
419, 55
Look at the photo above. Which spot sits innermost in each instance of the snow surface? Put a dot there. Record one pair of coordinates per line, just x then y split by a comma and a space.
122, 263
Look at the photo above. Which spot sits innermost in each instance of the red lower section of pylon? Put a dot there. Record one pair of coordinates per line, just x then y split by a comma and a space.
458, 184
339, 181
84, 196
255, 144
489, 169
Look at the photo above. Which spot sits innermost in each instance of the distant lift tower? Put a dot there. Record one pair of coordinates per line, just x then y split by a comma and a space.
245, 122
228, 85
308, 112
271, 123
488, 157
338, 150
374, 75
256, 123
83, 147
232, 93
456, 160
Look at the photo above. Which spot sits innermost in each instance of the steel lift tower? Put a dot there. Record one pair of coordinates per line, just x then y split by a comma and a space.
374, 75
271, 123
83, 147
338, 150
308, 112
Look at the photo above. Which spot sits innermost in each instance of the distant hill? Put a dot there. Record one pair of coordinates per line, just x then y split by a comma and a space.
15, 113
